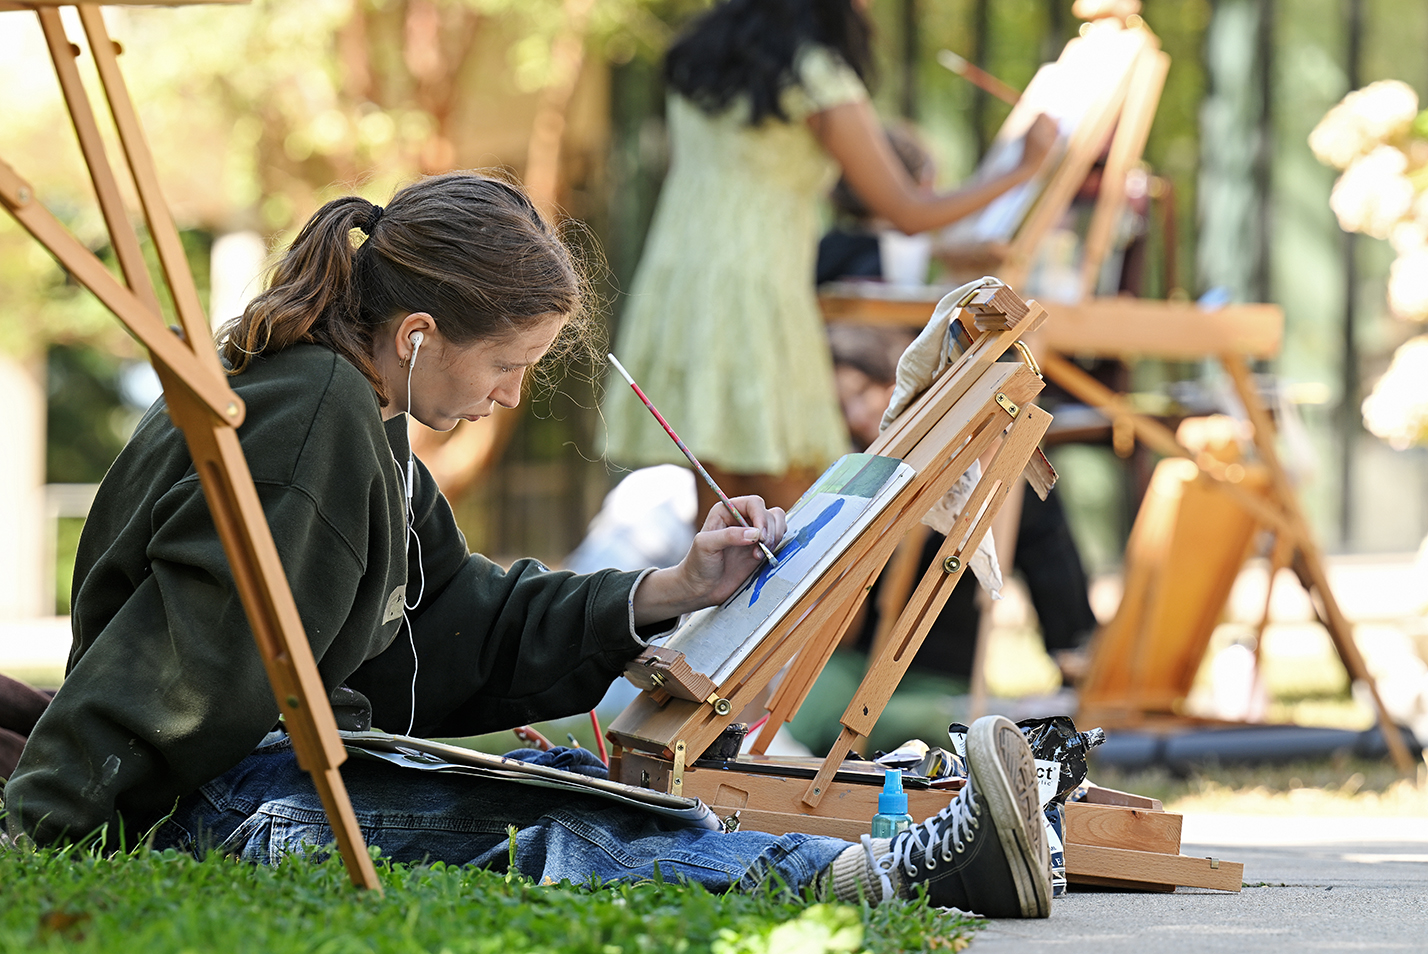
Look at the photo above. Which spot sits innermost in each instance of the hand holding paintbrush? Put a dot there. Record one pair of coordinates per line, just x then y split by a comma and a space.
734, 511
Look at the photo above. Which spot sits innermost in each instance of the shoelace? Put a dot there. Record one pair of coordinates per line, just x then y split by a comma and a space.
962, 823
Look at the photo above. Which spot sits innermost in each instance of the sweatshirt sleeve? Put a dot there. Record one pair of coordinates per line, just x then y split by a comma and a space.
172, 692
501, 648
497, 648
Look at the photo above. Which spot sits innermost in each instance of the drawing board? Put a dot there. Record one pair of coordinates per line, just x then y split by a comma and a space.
822, 524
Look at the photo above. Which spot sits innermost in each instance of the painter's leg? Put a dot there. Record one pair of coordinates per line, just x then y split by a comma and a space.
266, 808
616, 843
11, 745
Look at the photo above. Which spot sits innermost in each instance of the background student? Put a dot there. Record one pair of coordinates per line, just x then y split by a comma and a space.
767, 101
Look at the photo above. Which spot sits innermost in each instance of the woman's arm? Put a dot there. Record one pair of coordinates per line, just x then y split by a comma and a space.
853, 136
721, 558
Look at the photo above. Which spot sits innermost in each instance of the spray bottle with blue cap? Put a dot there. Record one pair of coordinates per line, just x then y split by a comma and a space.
892, 816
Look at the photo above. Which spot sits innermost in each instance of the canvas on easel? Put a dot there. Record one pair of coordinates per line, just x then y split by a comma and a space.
824, 522
980, 404
1102, 93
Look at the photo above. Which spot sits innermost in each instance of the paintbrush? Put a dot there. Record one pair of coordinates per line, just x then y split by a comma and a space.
978, 76
690, 454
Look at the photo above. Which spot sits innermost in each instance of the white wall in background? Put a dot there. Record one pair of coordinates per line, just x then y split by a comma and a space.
22, 477
236, 274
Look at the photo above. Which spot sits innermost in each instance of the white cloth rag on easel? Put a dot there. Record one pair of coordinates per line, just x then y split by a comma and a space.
928, 355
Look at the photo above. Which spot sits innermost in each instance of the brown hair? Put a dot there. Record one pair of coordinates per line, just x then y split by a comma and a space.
468, 249
873, 351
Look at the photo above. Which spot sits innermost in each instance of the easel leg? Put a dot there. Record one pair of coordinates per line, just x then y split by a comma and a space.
200, 403
1340, 631
272, 614
807, 665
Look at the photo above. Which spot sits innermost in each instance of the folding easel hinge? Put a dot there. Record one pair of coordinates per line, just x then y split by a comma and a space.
1008, 405
676, 775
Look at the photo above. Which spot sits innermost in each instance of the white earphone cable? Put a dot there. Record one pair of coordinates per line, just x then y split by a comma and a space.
416, 340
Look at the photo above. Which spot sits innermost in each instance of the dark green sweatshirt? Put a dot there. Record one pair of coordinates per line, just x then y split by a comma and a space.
165, 689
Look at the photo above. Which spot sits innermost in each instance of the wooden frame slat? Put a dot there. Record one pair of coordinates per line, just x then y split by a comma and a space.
201, 404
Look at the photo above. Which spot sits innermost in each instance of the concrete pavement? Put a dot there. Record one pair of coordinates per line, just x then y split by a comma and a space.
1315, 884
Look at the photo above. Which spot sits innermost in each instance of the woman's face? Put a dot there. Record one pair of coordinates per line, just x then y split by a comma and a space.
452, 383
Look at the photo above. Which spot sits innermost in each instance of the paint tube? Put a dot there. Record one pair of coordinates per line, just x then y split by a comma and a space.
1060, 753
940, 764
907, 756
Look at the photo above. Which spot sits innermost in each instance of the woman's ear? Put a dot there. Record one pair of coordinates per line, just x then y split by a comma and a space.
404, 334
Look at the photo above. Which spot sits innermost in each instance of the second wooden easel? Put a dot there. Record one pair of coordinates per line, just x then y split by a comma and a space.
1113, 695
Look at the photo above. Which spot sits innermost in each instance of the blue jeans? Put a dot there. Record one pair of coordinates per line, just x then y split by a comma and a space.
266, 807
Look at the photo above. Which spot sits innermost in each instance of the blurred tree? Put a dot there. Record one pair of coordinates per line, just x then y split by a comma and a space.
257, 114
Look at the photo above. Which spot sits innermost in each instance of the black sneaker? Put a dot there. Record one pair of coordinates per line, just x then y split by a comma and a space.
986, 852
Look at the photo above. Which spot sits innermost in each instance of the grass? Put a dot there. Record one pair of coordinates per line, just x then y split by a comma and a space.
160, 902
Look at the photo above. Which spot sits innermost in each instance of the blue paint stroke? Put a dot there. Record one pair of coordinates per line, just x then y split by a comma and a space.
801, 539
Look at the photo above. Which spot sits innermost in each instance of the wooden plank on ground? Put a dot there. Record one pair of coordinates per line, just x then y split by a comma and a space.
1151, 868
1096, 795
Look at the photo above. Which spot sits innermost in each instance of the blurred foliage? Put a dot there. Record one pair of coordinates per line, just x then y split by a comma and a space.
88, 421
258, 113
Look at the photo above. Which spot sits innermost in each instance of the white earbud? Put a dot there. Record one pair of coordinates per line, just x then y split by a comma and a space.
416, 338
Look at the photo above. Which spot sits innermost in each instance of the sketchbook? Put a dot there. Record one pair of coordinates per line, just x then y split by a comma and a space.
824, 522
424, 755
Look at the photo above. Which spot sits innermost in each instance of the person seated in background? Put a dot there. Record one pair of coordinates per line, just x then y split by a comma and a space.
865, 368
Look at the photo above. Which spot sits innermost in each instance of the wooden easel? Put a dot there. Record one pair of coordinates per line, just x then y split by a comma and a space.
1123, 68
662, 734
1107, 695
197, 394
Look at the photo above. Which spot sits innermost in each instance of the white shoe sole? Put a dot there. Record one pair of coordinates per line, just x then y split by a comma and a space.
1004, 773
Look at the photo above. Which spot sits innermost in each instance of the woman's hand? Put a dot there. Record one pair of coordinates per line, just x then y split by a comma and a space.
721, 558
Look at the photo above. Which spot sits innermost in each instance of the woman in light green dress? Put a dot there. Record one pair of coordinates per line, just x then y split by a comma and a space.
722, 329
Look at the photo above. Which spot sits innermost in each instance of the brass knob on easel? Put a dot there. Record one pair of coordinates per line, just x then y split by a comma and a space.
721, 706
951, 565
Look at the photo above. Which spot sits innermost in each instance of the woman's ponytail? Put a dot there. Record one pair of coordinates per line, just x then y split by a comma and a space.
313, 296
